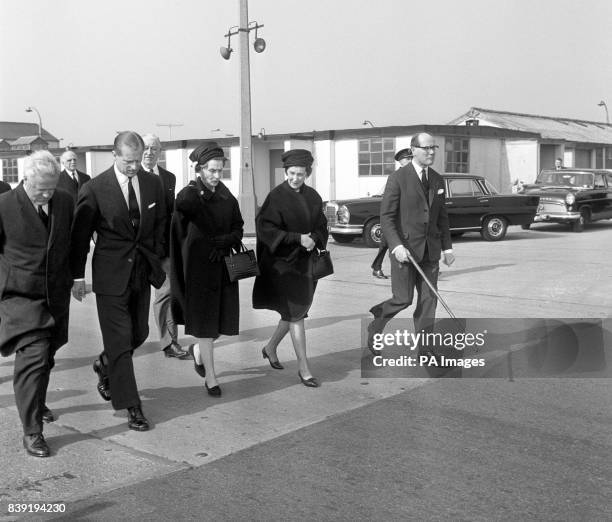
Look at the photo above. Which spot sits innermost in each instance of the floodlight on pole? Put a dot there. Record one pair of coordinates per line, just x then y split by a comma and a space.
368, 122
34, 109
603, 104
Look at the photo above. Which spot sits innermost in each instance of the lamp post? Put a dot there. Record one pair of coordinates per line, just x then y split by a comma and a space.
603, 104
34, 109
368, 122
246, 189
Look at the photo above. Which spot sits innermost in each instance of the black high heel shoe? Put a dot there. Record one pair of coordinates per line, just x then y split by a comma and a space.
310, 383
215, 391
199, 368
275, 364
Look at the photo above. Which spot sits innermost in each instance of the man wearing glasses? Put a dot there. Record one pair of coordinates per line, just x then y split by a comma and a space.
414, 220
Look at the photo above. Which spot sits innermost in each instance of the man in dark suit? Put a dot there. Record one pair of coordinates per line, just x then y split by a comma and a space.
125, 206
414, 219
4, 187
168, 331
71, 179
35, 282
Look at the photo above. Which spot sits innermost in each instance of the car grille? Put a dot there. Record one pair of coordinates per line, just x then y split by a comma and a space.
331, 210
548, 205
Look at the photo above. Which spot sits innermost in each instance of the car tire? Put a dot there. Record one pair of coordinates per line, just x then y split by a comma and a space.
494, 228
526, 226
341, 238
578, 225
372, 233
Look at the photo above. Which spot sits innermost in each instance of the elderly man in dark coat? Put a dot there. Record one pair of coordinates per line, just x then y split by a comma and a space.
290, 224
35, 282
206, 223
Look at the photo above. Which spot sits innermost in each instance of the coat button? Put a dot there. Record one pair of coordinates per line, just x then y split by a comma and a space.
130, 260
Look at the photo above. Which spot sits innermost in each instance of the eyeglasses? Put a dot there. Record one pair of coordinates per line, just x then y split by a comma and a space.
428, 148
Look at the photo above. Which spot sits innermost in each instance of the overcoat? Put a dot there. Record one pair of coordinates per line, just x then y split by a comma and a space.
35, 278
205, 225
285, 284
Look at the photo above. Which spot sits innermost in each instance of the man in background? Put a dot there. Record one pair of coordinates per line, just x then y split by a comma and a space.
168, 331
71, 179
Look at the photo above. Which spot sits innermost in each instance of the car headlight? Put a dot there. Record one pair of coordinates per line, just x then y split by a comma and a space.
570, 198
343, 215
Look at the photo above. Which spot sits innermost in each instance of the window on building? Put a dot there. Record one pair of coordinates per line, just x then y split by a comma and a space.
227, 168
376, 156
599, 157
457, 155
10, 172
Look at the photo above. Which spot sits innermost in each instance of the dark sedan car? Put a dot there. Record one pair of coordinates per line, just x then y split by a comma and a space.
472, 202
572, 196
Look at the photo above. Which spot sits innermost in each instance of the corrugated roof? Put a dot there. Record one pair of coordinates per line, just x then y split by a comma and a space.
26, 140
11, 130
548, 127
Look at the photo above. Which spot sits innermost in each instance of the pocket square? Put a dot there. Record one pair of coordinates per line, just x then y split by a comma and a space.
151, 205
440, 191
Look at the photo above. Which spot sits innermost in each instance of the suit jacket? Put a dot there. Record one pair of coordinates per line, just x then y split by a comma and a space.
168, 181
66, 183
4, 187
411, 218
101, 208
35, 278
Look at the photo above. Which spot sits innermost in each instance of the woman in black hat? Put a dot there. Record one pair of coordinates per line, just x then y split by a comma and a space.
290, 225
206, 223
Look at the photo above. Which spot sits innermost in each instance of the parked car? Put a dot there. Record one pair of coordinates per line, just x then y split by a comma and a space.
473, 204
572, 196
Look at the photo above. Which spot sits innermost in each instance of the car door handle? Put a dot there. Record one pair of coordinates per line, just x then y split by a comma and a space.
483, 200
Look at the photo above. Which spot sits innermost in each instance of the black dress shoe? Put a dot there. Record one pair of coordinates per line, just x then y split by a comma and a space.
102, 386
215, 391
136, 420
36, 445
47, 415
174, 350
371, 333
275, 364
379, 274
310, 383
199, 368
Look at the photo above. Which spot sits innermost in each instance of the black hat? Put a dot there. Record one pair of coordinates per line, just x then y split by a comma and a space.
206, 151
297, 158
404, 153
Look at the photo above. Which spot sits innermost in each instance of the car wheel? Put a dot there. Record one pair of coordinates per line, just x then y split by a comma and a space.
526, 226
578, 225
494, 228
341, 238
372, 233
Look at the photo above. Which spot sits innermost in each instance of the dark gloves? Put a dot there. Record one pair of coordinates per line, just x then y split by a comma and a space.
215, 256
224, 240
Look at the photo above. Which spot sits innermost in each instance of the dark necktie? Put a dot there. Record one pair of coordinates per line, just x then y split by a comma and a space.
43, 216
75, 180
425, 181
133, 205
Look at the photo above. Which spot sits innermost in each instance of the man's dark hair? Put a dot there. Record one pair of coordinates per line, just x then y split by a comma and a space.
130, 139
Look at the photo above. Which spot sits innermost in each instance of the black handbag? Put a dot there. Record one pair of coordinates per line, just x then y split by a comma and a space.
241, 264
322, 265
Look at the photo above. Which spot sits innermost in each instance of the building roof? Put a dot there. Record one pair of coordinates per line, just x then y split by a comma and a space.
27, 140
11, 130
548, 127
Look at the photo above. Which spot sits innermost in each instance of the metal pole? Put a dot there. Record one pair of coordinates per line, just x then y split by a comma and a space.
246, 196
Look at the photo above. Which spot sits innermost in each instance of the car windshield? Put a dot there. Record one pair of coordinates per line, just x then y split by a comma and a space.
566, 179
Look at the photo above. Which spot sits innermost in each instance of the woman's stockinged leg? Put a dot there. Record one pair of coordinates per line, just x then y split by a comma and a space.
298, 336
206, 354
279, 334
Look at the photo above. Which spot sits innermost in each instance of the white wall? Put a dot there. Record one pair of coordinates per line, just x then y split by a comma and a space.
322, 168
97, 161
522, 159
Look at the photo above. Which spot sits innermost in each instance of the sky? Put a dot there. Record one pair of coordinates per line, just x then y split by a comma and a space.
94, 67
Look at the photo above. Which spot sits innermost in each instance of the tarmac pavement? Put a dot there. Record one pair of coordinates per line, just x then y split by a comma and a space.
271, 449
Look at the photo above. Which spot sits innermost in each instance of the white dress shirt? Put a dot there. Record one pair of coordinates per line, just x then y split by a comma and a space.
123, 183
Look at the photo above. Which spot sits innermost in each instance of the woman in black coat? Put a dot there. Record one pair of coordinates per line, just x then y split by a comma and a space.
290, 225
206, 223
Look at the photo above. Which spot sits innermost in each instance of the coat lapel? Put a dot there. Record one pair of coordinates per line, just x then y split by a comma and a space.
415, 183
116, 199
